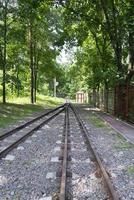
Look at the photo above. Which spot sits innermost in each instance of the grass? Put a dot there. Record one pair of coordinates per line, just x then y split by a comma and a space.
20, 108
98, 122
130, 169
123, 144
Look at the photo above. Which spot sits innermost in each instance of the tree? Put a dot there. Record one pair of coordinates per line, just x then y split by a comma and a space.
7, 9
105, 19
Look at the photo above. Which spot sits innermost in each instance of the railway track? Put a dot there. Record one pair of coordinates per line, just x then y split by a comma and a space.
14, 137
112, 193
64, 191
62, 195
81, 174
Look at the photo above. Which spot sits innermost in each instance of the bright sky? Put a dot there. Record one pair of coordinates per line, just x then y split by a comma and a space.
63, 58
66, 56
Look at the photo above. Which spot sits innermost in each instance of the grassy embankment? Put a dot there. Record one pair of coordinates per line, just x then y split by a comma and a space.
18, 108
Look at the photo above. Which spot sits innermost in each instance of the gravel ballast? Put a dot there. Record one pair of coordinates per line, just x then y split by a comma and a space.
84, 183
29, 172
26, 176
115, 152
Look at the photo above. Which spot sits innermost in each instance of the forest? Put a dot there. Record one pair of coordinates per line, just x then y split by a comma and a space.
98, 35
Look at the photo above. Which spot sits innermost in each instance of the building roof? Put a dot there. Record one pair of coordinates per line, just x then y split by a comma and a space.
79, 92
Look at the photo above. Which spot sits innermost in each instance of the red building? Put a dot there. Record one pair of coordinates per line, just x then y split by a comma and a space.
81, 97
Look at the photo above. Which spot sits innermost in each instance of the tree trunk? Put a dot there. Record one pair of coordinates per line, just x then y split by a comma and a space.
5, 53
12, 81
131, 50
106, 97
35, 88
18, 85
98, 96
94, 97
118, 54
35, 64
35, 80
12, 88
131, 59
31, 60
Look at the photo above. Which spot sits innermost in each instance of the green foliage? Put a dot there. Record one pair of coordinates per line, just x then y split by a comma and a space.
46, 23
37, 30
130, 170
102, 31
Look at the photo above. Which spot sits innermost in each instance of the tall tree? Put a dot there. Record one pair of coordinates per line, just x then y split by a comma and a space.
4, 11
7, 9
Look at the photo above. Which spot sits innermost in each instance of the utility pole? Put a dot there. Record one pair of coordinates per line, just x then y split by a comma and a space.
55, 85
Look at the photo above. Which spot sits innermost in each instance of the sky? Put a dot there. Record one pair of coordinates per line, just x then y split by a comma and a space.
63, 58
66, 56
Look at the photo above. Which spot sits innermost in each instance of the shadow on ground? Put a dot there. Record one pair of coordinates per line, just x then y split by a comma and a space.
10, 112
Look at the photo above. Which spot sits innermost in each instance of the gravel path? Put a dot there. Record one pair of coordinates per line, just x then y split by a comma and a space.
28, 173
116, 153
122, 127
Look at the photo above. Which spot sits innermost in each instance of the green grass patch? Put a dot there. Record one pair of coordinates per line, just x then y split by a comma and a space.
20, 108
45, 101
98, 122
130, 169
120, 137
122, 143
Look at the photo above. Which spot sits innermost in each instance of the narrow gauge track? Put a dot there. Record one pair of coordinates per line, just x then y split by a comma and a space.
62, 195
4, 150
63, 191
112, 193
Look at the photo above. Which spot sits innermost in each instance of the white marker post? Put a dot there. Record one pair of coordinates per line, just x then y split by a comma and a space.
55, 85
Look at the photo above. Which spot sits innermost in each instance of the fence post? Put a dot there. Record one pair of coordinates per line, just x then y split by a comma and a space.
106, 95
115, 100
94, 97
127, 101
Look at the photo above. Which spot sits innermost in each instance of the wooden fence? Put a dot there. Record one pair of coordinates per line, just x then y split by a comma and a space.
118, 101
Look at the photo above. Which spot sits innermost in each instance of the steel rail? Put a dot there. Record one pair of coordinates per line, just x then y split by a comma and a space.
14, 130
4, 152
110, 186
62, 195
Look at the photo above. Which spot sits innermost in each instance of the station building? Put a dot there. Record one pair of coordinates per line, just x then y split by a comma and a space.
81, 97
